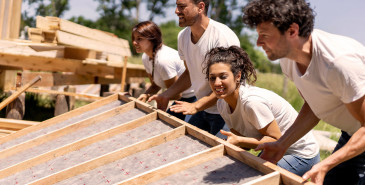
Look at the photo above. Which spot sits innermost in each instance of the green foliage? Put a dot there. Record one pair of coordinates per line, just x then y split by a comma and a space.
55, 8
170, 30
274, 82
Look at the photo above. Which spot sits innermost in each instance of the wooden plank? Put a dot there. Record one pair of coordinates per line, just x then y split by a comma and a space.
7, 79
99, 35
83, 42
271, 178
176, 166
32, 90
262, 165
60, 79
5, 131
60, 118
77, 145
124, 74
14, 27
31, 49
18, 92
13, 124
66, 130
39, 63
4, 18
111, 157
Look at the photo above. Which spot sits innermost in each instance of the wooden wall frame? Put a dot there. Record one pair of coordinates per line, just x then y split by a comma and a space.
216, 148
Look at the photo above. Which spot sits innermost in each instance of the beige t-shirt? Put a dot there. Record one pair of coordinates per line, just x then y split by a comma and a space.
256, 108
334, 77
216, 34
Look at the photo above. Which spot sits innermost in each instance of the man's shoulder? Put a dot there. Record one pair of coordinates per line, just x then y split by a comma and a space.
184, 32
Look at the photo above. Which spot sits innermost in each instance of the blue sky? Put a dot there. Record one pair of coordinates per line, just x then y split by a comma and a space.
335, 16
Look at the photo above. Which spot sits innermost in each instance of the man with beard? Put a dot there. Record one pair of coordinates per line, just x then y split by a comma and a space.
329, 72
199, 37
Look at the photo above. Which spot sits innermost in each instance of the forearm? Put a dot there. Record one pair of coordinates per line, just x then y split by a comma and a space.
250, 142
354, 147
182, 83
305, 121
153, 89
206, 102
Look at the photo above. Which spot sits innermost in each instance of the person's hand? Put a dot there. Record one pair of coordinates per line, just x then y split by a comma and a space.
273, 151
161, 100
231, 138
143, 97
184, 107
316, 174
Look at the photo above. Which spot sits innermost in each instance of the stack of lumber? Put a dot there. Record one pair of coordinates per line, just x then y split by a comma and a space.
83, 43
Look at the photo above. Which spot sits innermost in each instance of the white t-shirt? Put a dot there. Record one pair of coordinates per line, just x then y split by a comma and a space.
335, 76
167, 65
216, 34
256, 108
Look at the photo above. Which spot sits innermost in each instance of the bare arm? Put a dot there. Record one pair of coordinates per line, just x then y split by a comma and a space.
305, 121
270, 134
176, 88
153, 89
354, 147
168, 84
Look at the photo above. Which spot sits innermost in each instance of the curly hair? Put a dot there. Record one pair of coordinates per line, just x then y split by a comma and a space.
282, 13
236, 57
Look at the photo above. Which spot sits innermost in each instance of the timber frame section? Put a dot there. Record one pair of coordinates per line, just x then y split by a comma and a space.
272, 174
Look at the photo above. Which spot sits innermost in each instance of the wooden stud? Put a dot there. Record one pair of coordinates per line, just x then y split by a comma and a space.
83, 42
16, 94
124, 74
271, 178
51, 121
111, 157
66, 130
77, 145
32, 90
176, 166
12, 124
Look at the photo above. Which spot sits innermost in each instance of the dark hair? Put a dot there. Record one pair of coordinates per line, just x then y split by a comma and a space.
282, 13
206, 2
236, 57
150, 31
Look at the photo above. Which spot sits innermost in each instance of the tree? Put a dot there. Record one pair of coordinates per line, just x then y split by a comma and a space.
55, 8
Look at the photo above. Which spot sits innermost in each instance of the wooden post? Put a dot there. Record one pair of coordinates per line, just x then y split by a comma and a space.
17, 93
124, 74
10, 11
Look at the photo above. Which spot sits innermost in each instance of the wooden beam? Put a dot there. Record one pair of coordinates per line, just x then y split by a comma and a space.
83, 42
271, 178
77, 145
32, 90
13, 124
59, 79
176, 166
39, 63
17, 93
7, 79
10, 11
66, 130
5, 131
111, 157
124, 74
60, 118
55, 23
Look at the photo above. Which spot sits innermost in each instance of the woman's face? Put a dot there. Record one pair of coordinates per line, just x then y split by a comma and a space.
222, 81
141, 44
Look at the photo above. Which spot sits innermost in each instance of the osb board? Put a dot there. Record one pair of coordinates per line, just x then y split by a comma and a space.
131, 144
